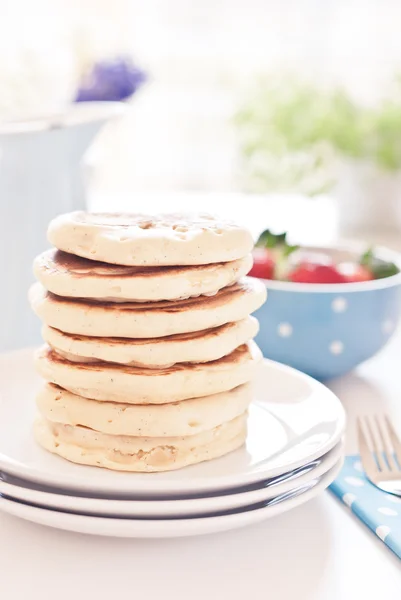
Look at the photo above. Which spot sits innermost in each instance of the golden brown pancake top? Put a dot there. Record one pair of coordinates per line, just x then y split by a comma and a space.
57, 260
168, 306
205, 333
238, 356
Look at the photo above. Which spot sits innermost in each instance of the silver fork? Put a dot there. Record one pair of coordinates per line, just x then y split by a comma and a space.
380, 450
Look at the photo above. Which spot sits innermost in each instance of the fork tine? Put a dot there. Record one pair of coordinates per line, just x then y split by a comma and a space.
394, 439
378, 444
368, 462
382, 425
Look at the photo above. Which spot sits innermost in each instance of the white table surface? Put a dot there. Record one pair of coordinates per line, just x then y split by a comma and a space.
319, 551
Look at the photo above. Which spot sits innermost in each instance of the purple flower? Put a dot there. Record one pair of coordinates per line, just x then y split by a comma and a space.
111, 80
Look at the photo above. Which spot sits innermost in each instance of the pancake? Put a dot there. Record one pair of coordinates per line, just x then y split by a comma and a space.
124, 453
149, 319
72, 276
197, 347
136, 385
150, 240
185, 418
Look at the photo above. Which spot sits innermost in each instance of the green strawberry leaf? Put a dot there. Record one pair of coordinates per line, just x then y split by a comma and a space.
384, 269
290, 249
378, 268
367, 258
268, 239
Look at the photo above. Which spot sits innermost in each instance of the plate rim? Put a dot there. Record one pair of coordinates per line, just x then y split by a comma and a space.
103, 526
155, 508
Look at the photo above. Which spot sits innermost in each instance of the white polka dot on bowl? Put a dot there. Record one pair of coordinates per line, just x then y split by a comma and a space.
387, 326
284, 330
339, 305
336, 347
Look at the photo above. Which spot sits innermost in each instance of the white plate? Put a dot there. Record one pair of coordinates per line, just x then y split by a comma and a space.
293, 421
179, 507
166, 528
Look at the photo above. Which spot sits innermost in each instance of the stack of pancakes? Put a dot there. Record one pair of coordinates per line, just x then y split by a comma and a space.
149, 353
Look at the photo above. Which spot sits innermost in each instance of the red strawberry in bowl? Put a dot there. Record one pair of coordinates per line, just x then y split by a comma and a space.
276, 259
355, 273
307, 272
263, 264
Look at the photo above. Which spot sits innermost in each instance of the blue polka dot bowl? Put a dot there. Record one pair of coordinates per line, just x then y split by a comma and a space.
326, 330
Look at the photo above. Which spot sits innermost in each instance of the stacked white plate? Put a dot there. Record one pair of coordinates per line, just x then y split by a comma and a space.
293, 452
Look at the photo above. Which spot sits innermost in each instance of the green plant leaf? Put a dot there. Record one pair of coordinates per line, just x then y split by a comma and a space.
291, 133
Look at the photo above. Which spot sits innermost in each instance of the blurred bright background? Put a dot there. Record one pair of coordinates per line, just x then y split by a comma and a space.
294, 97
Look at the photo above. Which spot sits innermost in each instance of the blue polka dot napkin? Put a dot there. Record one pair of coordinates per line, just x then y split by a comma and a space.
381, 512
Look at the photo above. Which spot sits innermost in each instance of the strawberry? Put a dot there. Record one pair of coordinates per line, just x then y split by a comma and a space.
275, 258
354, 272
361, 274
316, 273
263, 264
